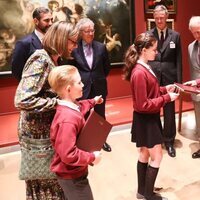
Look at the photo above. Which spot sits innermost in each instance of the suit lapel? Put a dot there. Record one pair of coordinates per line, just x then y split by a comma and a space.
194, 55
155, 33
36, 42
167, 40
95, 49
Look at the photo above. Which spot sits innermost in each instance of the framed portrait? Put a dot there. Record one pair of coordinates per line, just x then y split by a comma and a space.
171, 5
114, 23
151, 23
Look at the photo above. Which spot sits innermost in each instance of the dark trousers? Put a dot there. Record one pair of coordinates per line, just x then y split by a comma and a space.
169, 129
76, 189
99, 108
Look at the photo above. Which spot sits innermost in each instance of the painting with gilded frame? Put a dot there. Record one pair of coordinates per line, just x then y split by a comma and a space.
171, 5
113, 20
151, 23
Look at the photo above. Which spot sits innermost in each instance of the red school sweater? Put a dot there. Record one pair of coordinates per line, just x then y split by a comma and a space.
69, 162
148, 96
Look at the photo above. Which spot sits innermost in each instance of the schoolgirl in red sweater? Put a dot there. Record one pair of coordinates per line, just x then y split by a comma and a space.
148, 98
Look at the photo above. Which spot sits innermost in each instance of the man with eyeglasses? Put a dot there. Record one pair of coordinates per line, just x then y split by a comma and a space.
91, 59
25, 47
168, 68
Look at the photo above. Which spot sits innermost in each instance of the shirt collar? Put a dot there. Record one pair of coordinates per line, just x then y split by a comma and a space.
197, 43
85, 45
39, 35
146, 66
164, 30
68, 104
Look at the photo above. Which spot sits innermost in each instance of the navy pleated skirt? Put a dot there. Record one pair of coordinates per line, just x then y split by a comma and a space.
146, 129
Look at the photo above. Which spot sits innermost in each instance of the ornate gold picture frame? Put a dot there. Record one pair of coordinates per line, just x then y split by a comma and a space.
151, 23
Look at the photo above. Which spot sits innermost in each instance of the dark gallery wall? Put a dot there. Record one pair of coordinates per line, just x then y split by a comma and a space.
117, 87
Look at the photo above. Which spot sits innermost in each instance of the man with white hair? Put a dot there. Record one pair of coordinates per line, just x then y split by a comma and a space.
92, 61
194, 60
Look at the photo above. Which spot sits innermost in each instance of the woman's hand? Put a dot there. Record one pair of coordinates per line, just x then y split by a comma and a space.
98, 99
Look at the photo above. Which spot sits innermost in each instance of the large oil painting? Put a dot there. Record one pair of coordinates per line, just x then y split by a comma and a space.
149, 5
113, 23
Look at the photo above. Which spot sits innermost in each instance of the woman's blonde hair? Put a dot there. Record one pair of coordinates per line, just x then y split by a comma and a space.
61, 76
56, 38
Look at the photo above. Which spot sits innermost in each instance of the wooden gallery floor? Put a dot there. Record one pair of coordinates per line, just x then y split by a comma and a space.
115, 177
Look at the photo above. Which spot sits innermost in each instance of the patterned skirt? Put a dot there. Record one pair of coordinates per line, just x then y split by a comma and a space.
43, 190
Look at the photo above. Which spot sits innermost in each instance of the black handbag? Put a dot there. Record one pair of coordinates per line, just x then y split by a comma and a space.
36, 156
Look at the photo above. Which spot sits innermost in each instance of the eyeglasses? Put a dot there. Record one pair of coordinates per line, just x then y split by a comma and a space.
89, 31
73, 42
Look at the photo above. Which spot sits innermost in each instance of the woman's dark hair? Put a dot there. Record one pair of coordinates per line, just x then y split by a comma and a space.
143, 40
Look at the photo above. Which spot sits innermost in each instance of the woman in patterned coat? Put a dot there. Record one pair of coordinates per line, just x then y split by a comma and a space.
36, 101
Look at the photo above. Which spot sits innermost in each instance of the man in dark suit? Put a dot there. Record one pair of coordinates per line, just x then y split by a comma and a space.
168, 68
42, 18
91, 59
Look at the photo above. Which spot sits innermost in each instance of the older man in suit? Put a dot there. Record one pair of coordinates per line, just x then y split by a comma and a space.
168, 68
92, 61
194, 60
42, 18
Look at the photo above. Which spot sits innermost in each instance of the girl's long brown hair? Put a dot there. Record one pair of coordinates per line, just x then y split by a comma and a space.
143, 40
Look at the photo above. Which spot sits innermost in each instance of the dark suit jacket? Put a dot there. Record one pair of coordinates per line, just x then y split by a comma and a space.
168, 62
95, 78
23, 49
